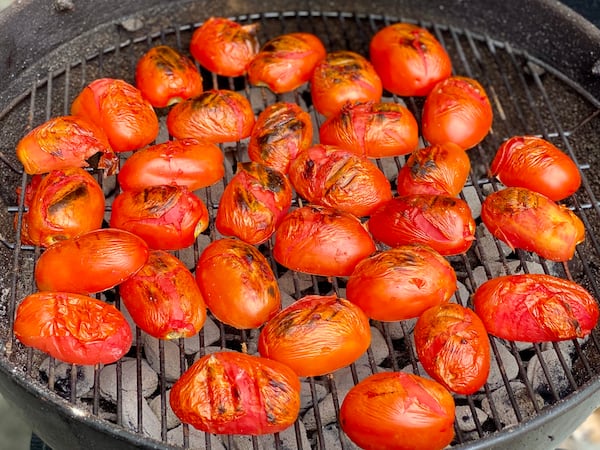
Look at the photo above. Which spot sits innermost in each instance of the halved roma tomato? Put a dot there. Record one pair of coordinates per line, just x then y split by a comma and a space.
91, 262
454, 348
443, 222
534, 163
524, 219
331, 176
535, 308
236, 393
316, 335
322, 241
237, 283
401, 283
398, 411
409, 59
73, 328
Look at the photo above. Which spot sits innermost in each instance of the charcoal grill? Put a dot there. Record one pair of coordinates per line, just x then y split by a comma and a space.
540, 64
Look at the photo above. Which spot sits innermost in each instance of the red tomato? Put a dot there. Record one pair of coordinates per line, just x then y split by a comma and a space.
166, 217
282, 130
443, 222
330, 176
457, 110
235, 393
119, 108
91, 262
63, 142
253, 203
524, 219
437, 169
237, 283
286, 62
321, 241
409, 59
372, 129
217, 115
343, 77
73, 328
401, 283
224, 47
454, 348
535, 308
186, 162
316, 335
163, 298
534, 163
398, 411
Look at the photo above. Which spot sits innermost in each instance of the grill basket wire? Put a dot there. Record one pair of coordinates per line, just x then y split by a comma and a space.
528, 98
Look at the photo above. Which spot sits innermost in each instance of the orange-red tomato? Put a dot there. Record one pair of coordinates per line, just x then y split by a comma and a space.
282, 130
321, 241
91, 262
163, 298
401, 283
224, 47
167, 217
343, 77
217, 115
119, 108
73, 328
534, 163
316, 335
524, 219
535, 308
330, 176
237, 283
372, 129
443, 222
398, 411
236, 393
457, 110
253, 203
454, 348
409, 59
286, 62
436, 169
63, 142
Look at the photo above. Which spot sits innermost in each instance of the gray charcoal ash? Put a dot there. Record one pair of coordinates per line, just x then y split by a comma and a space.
151, 426
286, 299
465, 420
306, 398
197, 438
379, 349
287, 440
62, 377
288, 279
331, 437
472, 199
508, 362
555, 378
503, 405
108, 379
172, 366
400, 328
210, 349
155, 404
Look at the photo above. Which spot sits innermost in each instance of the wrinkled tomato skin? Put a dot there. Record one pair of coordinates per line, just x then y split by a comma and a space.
216, 115
534, 163
253, 203
409, 59
331, 176
524, 219
91, 262
119, 108
316, 335
322, 241
73, 328
443, 222
436, 169
237, 283
535, 308
163, 298
343, 77
457, 110
281, 132
372, 129
286, 62
224, 47
453, 345
236, 393
401, 283
165, 217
